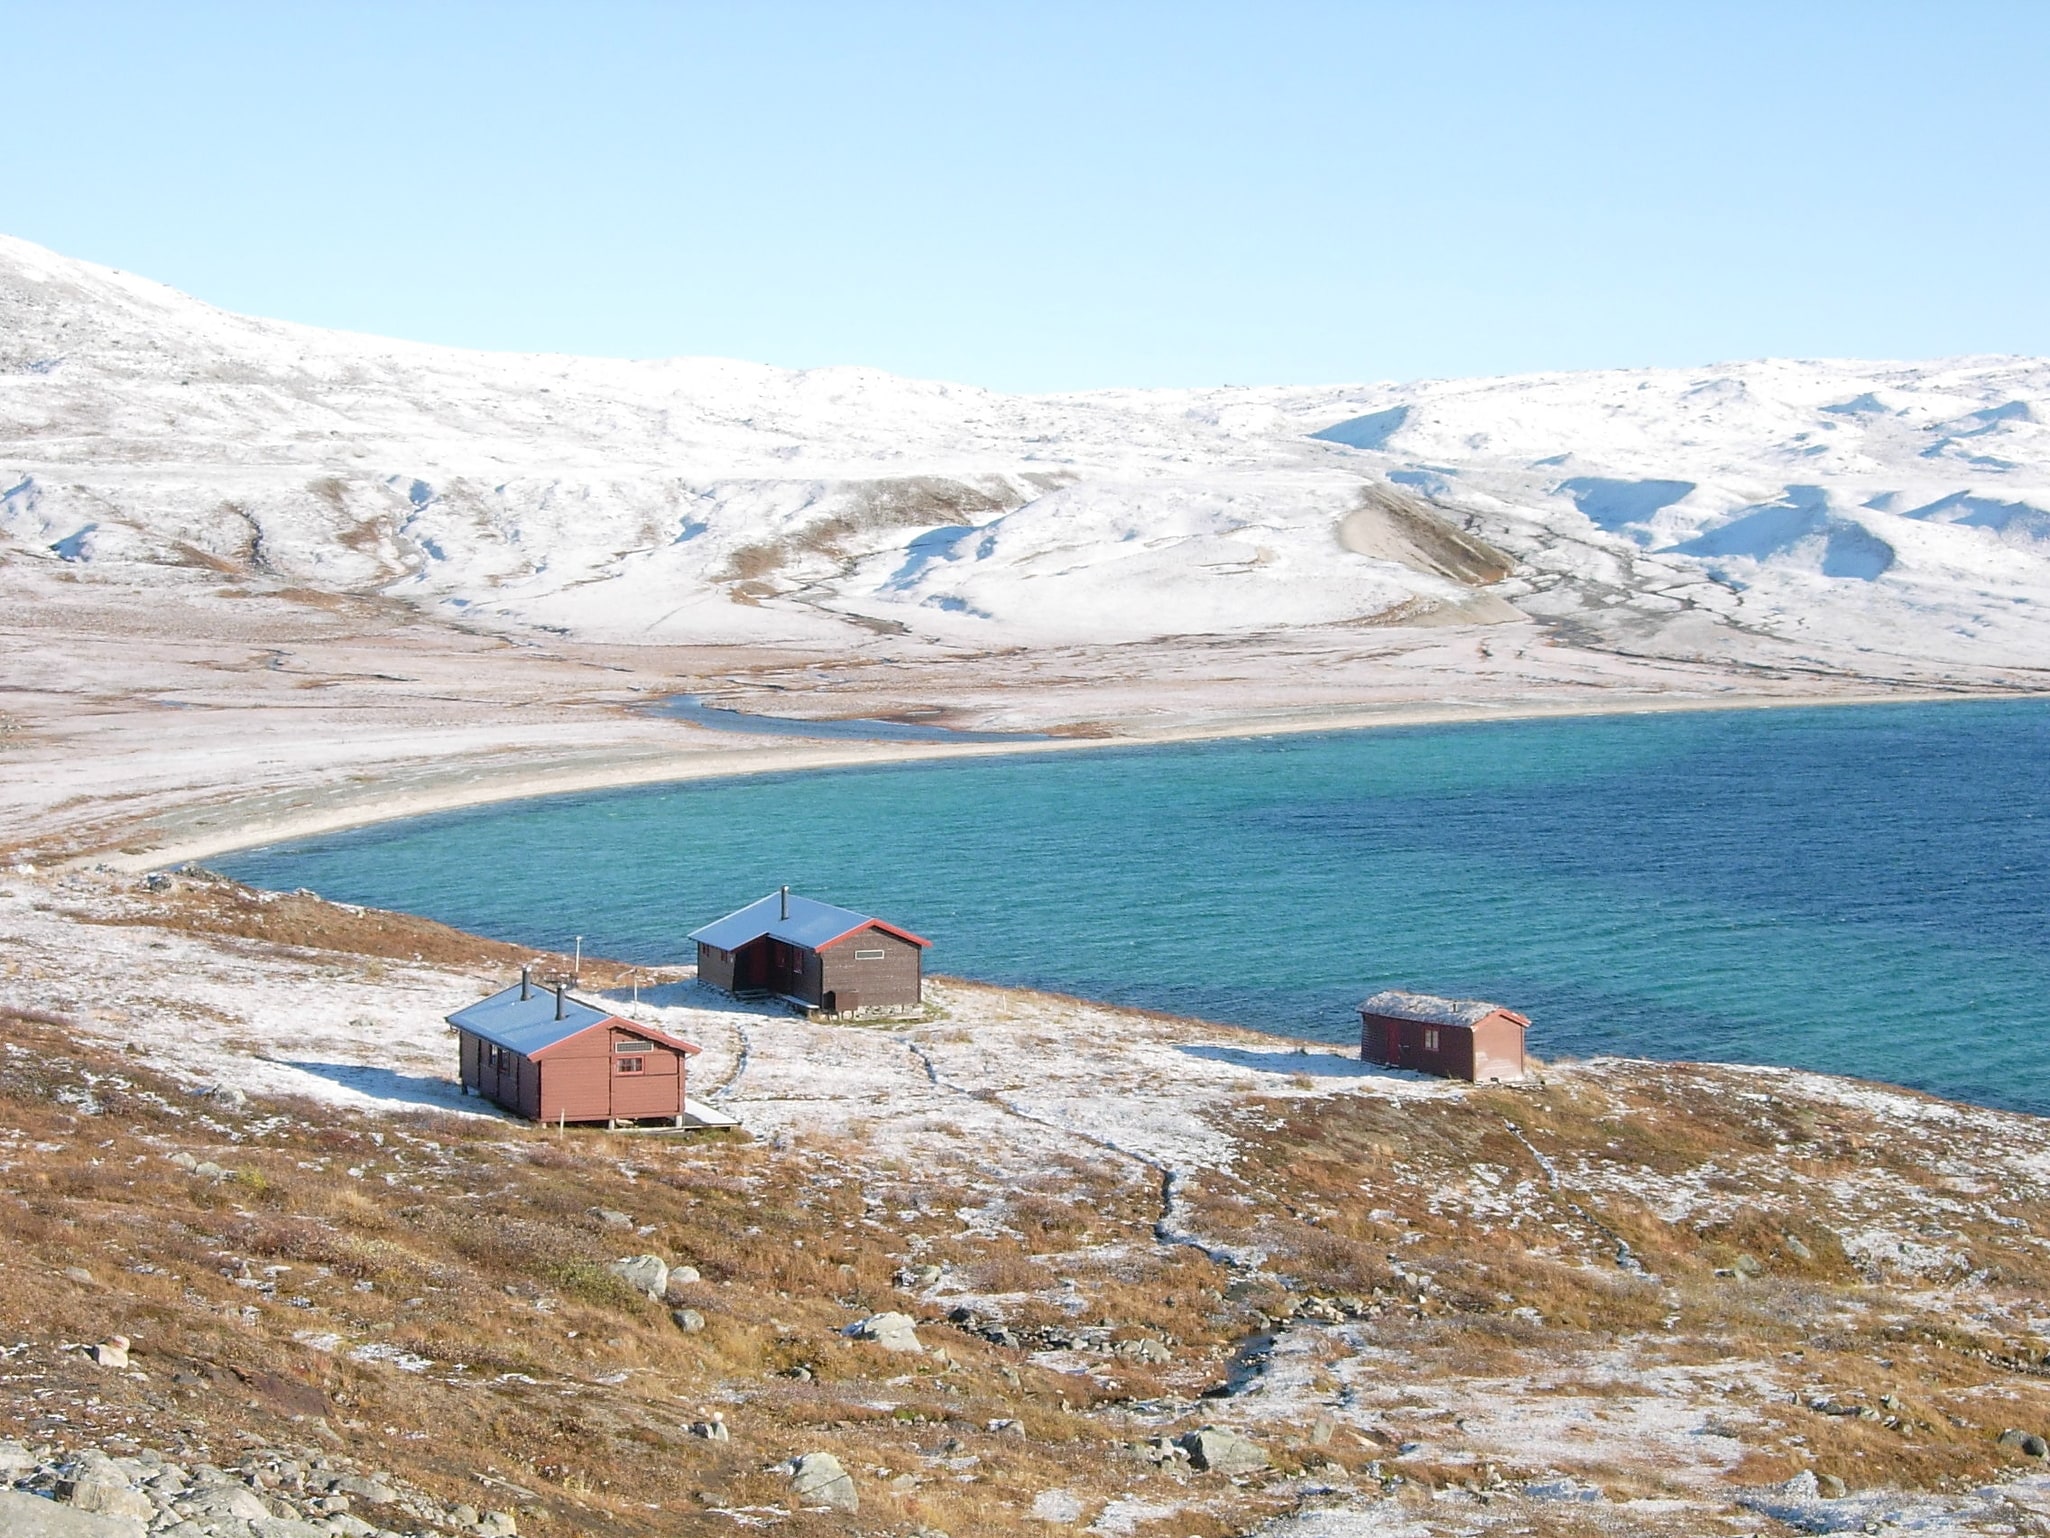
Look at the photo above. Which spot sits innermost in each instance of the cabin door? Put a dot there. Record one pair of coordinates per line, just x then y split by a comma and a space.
1395, 1043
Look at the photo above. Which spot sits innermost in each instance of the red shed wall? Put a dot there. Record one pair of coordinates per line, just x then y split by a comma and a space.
1453, 1059
1497, 1049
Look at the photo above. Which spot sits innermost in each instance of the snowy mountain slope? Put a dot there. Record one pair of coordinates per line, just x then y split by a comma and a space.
1870, 511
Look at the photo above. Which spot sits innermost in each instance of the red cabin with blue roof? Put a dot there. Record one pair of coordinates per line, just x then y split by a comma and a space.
545, 1054
812, 954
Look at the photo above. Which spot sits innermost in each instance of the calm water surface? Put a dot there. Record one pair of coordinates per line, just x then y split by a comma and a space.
1861, 890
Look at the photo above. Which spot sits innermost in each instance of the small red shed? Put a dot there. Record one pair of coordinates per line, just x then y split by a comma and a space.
548, 1056
1453, 1038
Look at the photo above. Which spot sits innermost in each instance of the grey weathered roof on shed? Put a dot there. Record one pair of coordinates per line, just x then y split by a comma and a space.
1429, 1009
811, 924
528, 1026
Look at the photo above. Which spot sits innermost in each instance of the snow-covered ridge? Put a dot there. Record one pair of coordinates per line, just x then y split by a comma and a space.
1865, 510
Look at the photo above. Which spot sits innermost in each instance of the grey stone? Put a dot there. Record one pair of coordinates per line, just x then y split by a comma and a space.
1144, 1349
208, 1170
111, 1352
818, 1479
893, 1332
30, 1516
463, 1515
345, 1526
688, 1320
289, 1527
107, 1494
1830, 1487
611, 1217
713, 1430
1796, 1248
223, 1503
15, 1459
183, 1160
2025, 1442
683, 1276
646, 1274
498, 1524
1224, 1452
374, 1492
1747, 1266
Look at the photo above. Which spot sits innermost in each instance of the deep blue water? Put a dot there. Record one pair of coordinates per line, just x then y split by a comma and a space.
1862, 890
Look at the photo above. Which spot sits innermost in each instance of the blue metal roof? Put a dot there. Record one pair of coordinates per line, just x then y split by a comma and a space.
528, 1025
811, 924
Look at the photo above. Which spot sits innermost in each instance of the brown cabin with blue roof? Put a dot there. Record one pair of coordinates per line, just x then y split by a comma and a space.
814, 955
542, 1053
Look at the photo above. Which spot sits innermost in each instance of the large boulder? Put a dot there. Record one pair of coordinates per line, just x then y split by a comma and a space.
893, 1332
817, 1479
106, 1495
30, 1516
646, 1274
1224, 1452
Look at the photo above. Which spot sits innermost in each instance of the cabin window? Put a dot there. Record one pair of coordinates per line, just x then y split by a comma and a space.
1430, 1038
874, 955
633, 1065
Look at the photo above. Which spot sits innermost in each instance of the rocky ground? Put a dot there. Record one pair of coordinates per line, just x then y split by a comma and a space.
1027, 1262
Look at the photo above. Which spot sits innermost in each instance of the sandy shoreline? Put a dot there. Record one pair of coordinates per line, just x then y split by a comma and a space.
743, 756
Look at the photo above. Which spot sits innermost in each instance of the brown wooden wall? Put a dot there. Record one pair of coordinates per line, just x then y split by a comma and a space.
579, 1080
892, 981
1490, 1049
715, 966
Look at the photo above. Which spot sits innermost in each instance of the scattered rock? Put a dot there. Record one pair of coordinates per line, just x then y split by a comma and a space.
1224, 1452
683, 1276
15, 1459
893, 1332
208, 1170
2025, 1442
1162, 1451
1748, 1266
713, 1430
1063, 1507
30, 1516
1796, 1248
1830, 1487
818, 1478
77, 1274
497, 1524
461, 1515
1144, 1349
111, 1352
646, 1274
688, 1320
182, 1159
612, 1218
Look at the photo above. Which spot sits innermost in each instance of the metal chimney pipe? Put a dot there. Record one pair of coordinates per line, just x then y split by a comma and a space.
786, 902
526, 983
559, 986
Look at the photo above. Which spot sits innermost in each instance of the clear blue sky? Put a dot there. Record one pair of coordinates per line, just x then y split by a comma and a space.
1048, 196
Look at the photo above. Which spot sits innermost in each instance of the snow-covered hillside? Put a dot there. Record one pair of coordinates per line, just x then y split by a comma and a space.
1883, 510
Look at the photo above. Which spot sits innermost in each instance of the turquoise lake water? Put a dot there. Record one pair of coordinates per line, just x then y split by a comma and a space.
1861, 890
